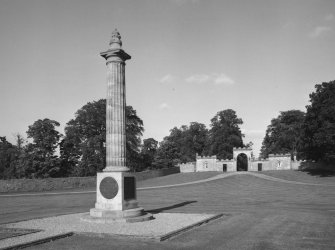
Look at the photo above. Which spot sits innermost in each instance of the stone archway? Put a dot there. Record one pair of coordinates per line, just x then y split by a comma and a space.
242, 162
247, 153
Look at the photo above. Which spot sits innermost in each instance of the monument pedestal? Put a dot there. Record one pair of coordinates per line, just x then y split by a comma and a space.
116, 199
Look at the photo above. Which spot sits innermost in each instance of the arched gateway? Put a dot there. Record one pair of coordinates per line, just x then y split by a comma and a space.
242, 157
242, 162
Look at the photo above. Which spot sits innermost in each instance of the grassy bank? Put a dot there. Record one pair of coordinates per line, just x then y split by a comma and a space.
49, 184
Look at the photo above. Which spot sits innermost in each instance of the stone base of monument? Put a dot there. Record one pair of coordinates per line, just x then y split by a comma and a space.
116, 199
129, 216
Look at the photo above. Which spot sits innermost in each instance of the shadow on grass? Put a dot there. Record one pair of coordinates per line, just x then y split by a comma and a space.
319, 172
159, 210
316, 171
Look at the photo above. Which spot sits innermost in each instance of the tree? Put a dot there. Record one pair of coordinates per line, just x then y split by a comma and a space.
19, 139
181, 145
168, 155
43, 162
148, 152
83, 148
149, 146
134, 132
194, 141
185, 142
14, 159
224, 134
7, 156
45, 136
18, 163
284, 134
319, 126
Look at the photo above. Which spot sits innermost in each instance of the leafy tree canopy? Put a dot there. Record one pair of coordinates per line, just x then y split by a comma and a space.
83, 147
150, 146
40, 160
319, 126
45, 136
134, 132
7, 155
284, 134
181, 145
168, 155
224, 134
148, 152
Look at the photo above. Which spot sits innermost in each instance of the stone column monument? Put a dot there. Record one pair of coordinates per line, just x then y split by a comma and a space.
116, 187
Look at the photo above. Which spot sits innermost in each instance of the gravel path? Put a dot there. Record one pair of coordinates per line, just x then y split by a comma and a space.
164, 223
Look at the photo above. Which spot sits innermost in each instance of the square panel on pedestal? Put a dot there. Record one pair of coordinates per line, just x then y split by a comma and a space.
129, 188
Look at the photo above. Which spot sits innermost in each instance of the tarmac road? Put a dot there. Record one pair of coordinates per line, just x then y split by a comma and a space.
261, 214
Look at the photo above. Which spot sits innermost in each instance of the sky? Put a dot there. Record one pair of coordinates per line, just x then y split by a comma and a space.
190, 59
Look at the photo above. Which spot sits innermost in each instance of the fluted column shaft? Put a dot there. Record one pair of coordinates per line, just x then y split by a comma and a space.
115, 117
115, 105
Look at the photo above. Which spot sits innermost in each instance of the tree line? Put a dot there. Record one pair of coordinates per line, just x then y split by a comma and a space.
309, 135
81, 151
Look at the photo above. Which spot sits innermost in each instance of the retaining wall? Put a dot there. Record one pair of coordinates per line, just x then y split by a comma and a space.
187, 167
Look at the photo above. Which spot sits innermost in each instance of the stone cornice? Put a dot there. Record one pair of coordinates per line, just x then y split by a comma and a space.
115, 55
241, 149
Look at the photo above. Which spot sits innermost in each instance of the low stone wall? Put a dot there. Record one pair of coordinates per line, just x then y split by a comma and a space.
187, 167
226, 165
206, 163
296, 165
49, 184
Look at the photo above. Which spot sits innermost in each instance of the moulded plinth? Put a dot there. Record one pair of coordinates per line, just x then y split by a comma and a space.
105, 216
115, 169
116, 199
95, 212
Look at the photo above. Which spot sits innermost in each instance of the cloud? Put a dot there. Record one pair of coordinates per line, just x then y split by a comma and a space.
319, 31
167, 79
164, 106
222, 79
216, 79
198, 78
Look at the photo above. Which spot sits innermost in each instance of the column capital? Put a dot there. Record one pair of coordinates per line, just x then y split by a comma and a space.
115, 55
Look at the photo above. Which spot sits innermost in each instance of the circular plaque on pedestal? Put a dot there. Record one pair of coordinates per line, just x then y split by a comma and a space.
109, 187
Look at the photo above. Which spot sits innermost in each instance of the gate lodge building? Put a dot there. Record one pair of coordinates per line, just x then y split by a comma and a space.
211, 163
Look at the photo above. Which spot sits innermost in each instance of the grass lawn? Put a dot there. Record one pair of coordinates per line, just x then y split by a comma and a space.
262, 214
311, 176
176, 179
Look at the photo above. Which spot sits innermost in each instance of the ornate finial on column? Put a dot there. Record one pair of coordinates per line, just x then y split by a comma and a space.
115, 42
115, 52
